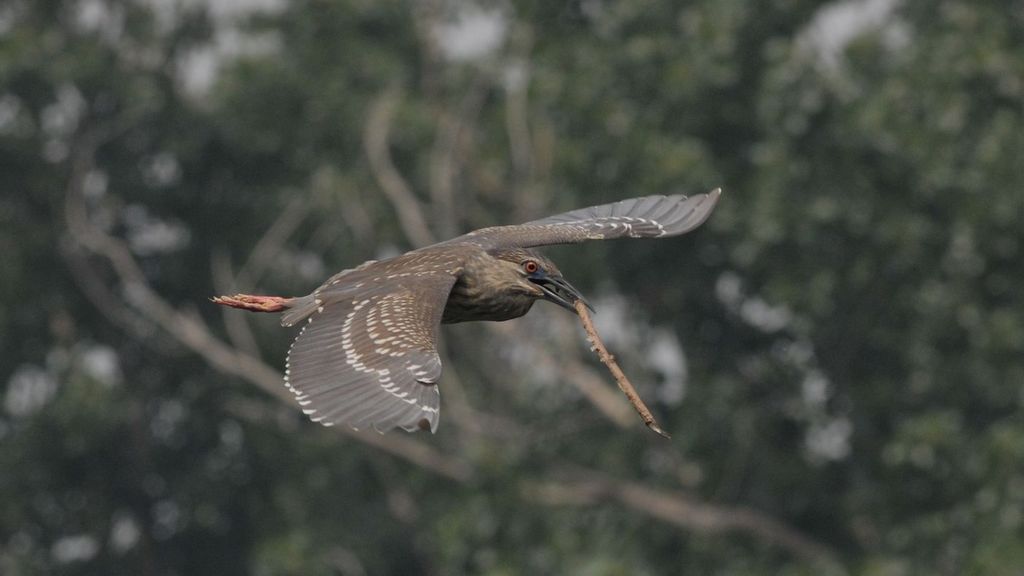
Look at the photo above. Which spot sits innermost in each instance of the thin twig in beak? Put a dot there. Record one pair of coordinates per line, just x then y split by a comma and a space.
608, 360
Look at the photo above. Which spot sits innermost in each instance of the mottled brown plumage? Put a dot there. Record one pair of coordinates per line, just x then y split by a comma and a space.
367, 355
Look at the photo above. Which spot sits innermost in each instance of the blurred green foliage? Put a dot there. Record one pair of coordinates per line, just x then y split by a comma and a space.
850, 316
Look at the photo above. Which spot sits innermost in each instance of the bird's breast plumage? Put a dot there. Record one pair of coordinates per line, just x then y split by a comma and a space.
467, 304
486, 289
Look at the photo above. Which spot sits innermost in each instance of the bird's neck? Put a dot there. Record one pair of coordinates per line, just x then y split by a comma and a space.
487, 289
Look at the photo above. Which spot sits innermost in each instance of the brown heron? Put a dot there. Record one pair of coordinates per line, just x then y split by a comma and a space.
367, 354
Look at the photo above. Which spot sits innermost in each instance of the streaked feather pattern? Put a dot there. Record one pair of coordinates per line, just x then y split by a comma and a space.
369, 359
645, 217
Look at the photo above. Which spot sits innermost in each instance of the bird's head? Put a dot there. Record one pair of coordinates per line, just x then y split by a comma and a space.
538, 277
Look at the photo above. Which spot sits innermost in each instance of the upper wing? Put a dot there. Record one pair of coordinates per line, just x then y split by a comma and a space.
646, 217
368, 356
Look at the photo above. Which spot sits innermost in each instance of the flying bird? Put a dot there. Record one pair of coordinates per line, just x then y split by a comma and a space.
367, 353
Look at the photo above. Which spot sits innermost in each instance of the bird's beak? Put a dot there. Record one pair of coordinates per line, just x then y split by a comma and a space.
556, 289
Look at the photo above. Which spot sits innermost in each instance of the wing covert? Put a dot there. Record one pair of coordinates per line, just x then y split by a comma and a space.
369, 358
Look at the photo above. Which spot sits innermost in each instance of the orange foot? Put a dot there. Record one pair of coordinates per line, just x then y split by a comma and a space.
253, 303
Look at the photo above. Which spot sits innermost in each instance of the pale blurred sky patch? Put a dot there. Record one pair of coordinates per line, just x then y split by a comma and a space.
837, 24
124, 532
198, 69
77, 548
101, 363
149, 235
473, 34
28, 390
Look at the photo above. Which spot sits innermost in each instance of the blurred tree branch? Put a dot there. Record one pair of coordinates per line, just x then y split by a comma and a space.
225, 282
192, 332
376, 141
589, 488
271, 243
517, 126
449, 153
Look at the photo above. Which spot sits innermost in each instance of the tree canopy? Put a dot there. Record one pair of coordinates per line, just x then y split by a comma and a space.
838, 352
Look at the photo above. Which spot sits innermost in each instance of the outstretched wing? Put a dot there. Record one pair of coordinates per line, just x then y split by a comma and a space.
368, 356
646, 217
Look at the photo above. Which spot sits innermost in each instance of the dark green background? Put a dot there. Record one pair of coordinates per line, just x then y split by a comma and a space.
851, 316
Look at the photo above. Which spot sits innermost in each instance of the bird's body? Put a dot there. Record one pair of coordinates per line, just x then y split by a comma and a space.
367, 355
484, 290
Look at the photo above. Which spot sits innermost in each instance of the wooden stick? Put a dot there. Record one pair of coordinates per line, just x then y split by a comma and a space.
620, 378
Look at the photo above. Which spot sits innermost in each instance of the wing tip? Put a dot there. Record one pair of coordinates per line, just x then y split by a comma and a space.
690, 212
711, 197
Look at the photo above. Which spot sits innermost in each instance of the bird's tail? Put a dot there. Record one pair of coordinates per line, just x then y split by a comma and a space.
295, 309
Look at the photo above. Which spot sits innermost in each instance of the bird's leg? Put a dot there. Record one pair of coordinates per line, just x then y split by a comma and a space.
254, 303
620, 377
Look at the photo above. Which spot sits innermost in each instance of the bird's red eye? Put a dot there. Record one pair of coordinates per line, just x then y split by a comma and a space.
530, 266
